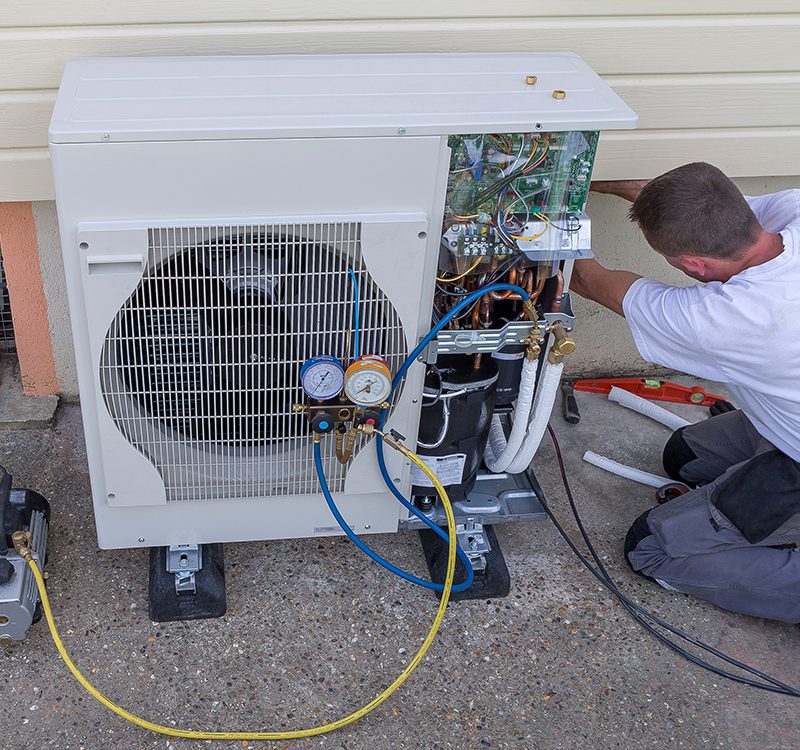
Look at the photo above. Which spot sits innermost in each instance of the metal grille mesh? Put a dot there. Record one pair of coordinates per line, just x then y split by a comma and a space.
7, 341
200, 367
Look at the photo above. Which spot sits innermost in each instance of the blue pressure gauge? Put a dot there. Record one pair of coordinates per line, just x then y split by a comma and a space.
322, 377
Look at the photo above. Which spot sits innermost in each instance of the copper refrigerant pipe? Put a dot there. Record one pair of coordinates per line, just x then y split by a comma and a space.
526, 284
508, 294
486, 312
559, 295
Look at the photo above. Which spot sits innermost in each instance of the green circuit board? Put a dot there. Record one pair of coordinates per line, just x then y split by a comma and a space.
516, 192
553, 172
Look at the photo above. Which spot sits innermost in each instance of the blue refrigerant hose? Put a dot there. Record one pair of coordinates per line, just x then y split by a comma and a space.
398, 378
353, 537
466, 302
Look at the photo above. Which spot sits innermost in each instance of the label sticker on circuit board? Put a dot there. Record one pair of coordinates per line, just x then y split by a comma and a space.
449, 469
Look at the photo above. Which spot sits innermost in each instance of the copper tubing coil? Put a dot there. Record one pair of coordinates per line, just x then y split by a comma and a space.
511, 279
526, 283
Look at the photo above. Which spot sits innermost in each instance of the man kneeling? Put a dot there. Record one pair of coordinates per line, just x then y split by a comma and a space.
731, 540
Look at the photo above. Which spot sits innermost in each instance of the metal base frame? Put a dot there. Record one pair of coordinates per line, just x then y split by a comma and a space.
496, 498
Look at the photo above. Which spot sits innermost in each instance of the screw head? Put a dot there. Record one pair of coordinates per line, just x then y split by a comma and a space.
539, 126
367, 525
106, 137
401, 131
141, 539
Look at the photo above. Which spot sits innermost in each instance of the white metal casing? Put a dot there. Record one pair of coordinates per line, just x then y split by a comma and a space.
151, 143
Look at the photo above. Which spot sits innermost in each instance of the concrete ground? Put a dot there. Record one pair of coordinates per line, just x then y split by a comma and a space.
314, 630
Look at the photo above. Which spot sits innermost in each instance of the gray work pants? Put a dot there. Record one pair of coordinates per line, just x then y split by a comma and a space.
731, 540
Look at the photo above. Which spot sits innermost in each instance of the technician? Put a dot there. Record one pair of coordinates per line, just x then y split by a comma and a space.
732, 539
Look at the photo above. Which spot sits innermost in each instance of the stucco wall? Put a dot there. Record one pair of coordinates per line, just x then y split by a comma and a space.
55, 291
604, 343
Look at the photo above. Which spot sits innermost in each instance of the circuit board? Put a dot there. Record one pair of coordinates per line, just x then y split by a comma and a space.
558, 182
504, 188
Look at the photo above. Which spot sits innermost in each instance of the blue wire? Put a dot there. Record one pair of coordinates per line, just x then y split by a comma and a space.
356, 304
373, 555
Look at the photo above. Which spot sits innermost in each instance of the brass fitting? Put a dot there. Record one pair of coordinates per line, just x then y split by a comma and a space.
21, 540
345, 452
395, 444
533, 347
533, 343
299, 408
529, 308
367, 428
563, 344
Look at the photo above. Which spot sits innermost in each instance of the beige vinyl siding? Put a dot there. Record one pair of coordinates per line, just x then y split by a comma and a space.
710, 80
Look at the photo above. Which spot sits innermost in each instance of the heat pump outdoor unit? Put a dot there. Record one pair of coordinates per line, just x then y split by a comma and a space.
214, 213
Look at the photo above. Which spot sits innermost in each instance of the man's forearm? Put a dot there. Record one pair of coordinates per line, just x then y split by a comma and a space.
628, 189
601, 285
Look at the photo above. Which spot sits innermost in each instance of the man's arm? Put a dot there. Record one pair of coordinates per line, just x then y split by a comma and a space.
628, 189
608, 288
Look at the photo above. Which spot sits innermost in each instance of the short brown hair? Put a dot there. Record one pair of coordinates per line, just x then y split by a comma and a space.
695, 210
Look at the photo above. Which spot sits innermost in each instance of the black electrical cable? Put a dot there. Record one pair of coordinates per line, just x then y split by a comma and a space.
691, 639
639, 613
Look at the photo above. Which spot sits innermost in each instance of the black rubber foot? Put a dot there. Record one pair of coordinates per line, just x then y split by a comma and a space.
493, 583
208, 601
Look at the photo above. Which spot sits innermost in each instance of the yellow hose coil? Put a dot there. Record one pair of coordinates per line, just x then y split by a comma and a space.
296, 733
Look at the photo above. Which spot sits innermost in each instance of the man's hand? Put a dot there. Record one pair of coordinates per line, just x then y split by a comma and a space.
591, 280
628, 189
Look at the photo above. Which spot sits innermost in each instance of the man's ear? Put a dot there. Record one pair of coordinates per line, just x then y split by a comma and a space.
693, 265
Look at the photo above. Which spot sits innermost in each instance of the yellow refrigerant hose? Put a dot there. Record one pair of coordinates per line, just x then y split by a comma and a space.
21, 542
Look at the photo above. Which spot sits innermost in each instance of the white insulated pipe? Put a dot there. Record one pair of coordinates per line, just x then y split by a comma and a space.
542, 408
622, 470
648, 408
499, 452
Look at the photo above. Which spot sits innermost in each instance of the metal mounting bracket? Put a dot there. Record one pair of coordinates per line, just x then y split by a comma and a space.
468, 341
475, 543
184, 560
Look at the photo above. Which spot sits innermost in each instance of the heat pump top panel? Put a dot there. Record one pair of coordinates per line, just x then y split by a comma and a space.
303, 96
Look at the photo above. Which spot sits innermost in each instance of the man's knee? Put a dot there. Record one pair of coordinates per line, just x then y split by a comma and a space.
639, 530
677, 454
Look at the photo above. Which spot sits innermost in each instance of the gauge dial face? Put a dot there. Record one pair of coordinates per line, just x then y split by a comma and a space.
368, 382
322, 378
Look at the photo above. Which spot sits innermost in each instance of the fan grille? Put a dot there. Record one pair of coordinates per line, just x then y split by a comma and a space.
200, 367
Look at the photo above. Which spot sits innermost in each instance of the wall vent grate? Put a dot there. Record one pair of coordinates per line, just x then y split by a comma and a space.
8, 343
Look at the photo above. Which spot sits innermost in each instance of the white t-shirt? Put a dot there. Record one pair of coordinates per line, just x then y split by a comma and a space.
744, 332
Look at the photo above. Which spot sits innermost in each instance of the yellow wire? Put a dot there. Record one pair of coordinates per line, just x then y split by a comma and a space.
287, 735
535, 236
461, 276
